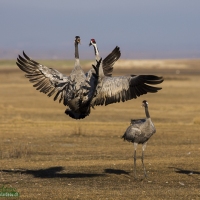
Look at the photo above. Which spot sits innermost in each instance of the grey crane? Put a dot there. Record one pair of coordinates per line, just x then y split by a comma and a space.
109, 61
122, 88
79, 106
106, 66
74, 90
139, 132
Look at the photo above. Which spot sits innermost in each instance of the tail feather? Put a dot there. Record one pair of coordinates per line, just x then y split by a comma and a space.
124, 136
74, 115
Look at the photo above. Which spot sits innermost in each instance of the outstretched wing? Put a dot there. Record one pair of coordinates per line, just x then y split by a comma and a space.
46, 80
123, 88
110, 60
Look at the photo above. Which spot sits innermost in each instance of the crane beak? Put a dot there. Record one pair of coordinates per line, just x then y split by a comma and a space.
90, 44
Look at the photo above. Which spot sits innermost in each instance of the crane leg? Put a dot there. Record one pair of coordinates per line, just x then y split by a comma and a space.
143, 148
135, 147
135, 164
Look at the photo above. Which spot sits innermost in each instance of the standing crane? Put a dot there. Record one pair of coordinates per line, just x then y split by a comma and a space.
139, 132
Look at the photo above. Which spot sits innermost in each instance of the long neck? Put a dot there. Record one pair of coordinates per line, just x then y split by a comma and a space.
147, 112
96, 51
77, 61
76, 51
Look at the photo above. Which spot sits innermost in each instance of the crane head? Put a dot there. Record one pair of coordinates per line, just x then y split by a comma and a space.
92, 42
144, 103
77, 39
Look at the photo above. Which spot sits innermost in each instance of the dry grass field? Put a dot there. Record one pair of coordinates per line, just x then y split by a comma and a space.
44, 154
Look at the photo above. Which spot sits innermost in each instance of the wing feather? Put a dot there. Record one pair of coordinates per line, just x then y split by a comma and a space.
110, 60
124, 88
46, 80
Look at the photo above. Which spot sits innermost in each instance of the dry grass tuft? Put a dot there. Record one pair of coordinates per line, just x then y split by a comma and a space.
16, 151
78, 131
197, 120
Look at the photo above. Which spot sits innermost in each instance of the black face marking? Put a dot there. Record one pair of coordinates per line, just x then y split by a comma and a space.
77, 39
145, 103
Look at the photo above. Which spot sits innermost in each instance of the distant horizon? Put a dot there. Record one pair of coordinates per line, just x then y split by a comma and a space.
89, 55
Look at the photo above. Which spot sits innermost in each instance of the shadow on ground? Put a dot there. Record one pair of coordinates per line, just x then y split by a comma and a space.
116, 171
183, 171
52, 172
56, 172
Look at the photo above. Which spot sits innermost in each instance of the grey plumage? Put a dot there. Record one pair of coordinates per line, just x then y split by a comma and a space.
80, 91
74, 90
109, 61
121, 88
139, 132
79, 106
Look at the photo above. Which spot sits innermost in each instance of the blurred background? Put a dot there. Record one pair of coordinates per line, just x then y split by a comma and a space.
143, 29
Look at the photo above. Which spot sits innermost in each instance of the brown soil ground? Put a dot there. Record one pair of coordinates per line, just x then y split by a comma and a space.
44, 154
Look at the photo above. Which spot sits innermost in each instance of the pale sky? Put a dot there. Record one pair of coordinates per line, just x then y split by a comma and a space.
143, 29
